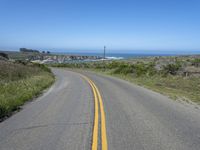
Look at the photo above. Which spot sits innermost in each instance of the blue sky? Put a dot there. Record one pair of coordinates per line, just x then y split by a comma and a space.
88, 25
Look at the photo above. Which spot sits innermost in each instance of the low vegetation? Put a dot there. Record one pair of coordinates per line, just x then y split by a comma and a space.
168, 79
20, 82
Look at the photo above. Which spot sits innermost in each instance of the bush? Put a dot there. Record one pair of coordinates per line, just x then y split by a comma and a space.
171, 68
113, 65
196, 62
123, 68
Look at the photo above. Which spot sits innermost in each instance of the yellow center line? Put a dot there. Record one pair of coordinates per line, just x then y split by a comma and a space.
98, 99
103, 121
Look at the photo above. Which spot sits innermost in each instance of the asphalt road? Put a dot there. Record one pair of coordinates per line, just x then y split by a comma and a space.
136, 118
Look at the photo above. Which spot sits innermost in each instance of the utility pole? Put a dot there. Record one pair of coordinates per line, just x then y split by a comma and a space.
104, 53
104, 57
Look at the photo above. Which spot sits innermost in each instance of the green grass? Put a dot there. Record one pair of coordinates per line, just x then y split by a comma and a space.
20, 83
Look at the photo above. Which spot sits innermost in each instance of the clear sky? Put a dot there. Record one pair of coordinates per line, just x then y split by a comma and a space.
88, 25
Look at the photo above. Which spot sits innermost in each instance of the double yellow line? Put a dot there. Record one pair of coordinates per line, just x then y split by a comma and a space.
98, 102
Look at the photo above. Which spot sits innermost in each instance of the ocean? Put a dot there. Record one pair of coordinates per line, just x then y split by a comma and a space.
124, 55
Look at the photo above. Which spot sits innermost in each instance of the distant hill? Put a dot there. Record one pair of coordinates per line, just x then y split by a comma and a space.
28, 50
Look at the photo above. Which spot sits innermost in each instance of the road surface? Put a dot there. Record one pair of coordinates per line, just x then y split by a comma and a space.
63, 118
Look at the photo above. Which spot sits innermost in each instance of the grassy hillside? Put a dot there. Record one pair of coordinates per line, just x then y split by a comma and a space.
20, 82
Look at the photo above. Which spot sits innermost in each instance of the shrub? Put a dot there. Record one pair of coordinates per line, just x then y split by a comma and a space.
196, 62
171, 68
124, 68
